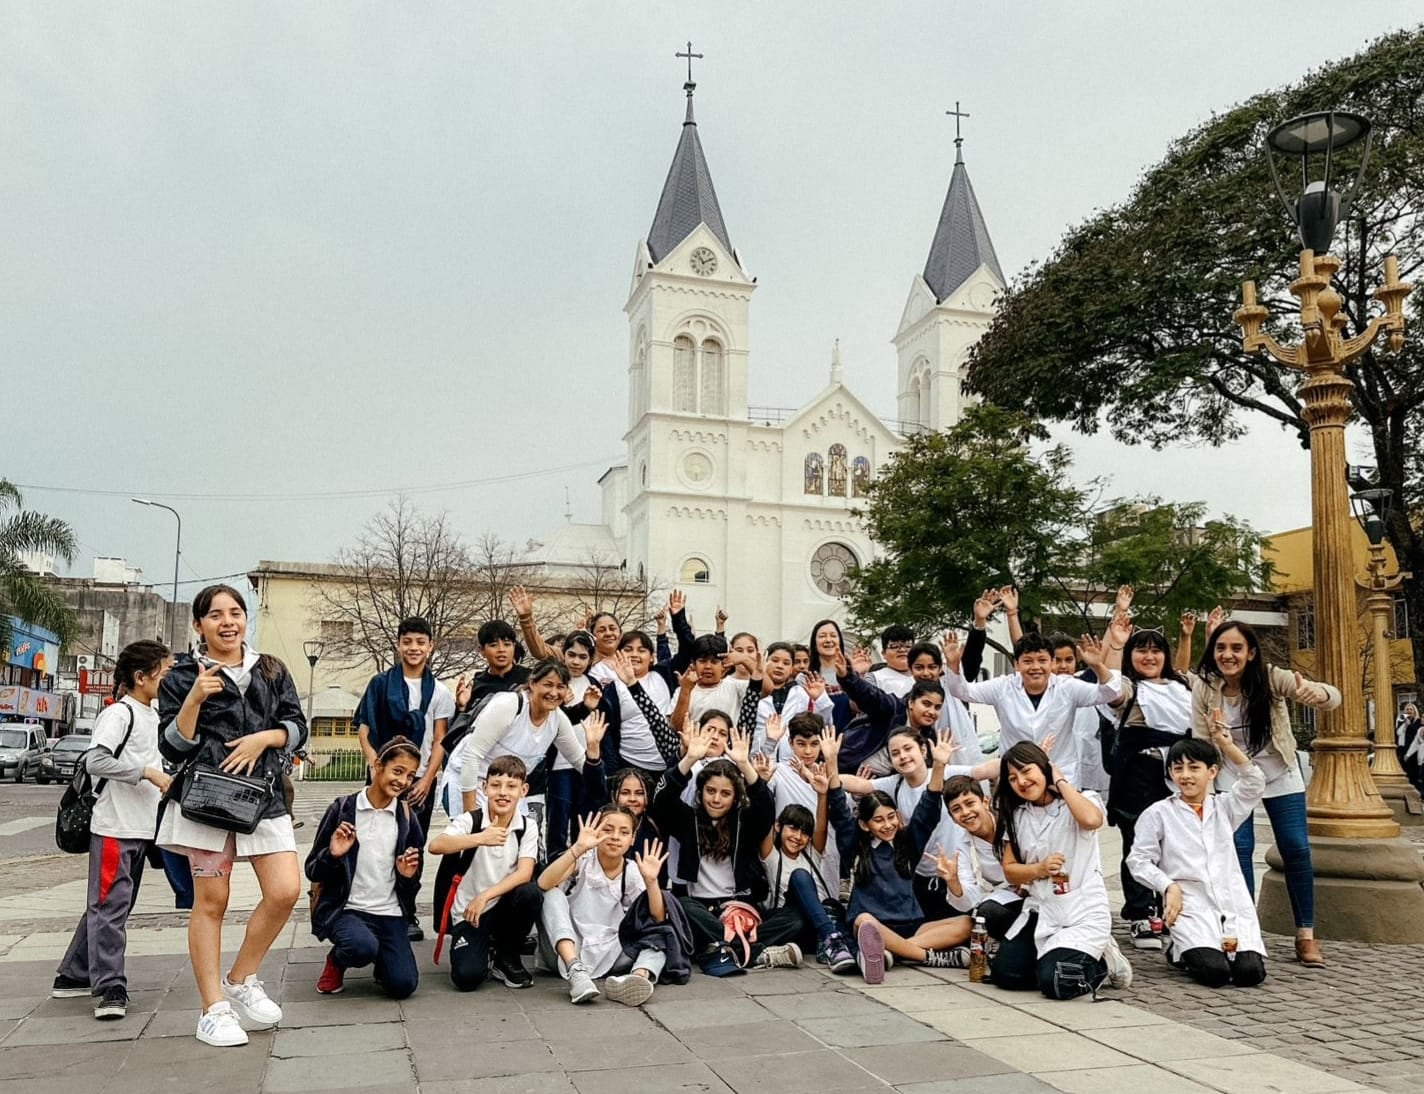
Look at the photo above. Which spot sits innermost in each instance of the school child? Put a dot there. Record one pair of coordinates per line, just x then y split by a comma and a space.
502, 672
894, 676
236, 711
497, 901
719, 872
790, 780
637, 699
711, 682
1233, 677
1046, 838
1185, 850
769, 683
800, 903
882, 853
564, 783
588, 892
1032, 703
364, 866
129, 779
1088, 770
407, 701
988, 892
880, 712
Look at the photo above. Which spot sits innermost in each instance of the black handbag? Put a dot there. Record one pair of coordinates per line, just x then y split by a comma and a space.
234, 803
76, 807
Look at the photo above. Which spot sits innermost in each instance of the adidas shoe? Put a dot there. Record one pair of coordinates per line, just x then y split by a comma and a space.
582, 989
779, 957
1119, 968
631, 990
872, 953
251, 1001
220, 1028
1143, 936
510, 971
332, 980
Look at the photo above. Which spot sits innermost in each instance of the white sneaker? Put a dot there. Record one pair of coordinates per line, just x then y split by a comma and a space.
218, 1026
582, 989
631, 990
252, 1002
1119, 968
779, 957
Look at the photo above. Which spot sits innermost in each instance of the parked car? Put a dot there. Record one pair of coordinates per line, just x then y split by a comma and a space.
67, 753
22, 747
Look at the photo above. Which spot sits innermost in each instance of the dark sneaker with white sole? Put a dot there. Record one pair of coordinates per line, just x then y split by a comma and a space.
113, 1003
510, 971
68, 988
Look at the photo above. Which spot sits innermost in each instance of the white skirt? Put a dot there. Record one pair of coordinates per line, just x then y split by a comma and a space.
179, 834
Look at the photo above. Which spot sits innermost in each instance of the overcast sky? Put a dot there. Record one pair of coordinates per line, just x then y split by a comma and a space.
256, 255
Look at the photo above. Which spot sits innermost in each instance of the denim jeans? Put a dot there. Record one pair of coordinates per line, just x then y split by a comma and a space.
801, 891
1287, 814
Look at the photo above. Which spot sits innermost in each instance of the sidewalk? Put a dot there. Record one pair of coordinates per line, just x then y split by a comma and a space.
923, 1032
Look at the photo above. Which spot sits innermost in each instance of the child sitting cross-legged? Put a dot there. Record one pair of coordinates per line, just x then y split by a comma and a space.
589, 891
496, 902
883, 852
1183, 850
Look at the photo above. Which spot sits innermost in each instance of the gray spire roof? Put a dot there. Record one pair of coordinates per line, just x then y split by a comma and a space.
961, 240
688, 197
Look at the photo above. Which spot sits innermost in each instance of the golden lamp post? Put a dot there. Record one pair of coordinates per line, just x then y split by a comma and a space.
1367, 879
1372, 510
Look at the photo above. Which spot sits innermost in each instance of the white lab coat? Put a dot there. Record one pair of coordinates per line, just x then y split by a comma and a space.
1172, 845
1020, 720
1078, 919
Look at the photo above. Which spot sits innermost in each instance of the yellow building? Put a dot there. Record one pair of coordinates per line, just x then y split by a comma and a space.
1291, 554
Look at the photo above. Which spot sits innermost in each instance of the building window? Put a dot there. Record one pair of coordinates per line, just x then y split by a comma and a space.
695, 571
332, 727
336, 630
836, 479
684, 375
860, 477
1401, 617
640, 381
815, 474
1305, 627
713, 379
831, 568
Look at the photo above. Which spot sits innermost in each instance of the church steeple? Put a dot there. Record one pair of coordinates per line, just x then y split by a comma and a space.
688, 198
961, 240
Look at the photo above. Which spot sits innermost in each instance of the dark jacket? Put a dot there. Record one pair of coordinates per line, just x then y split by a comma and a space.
750, 824
230, 714
886, 893
334, 875
596, 795
672, 937
487, 683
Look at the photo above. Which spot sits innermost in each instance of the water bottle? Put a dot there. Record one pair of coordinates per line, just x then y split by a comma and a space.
978, 951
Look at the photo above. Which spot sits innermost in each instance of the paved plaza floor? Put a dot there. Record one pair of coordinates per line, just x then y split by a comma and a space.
1351, 1027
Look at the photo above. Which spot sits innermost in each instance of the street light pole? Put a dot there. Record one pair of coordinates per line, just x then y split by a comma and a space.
1367, 879
313, 649
177, 554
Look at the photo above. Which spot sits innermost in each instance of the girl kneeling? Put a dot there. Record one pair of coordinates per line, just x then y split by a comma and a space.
365, 871
1047, 840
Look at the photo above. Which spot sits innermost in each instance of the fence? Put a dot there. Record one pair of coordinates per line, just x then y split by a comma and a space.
333, 765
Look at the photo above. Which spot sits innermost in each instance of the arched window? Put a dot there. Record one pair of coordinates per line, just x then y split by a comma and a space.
836, 476
638, 382
912, 404
684, 375
815, 474
713, 380
695, 571
923, 417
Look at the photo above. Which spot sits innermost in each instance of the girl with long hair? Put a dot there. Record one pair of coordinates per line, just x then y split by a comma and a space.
1233, 678
232, 709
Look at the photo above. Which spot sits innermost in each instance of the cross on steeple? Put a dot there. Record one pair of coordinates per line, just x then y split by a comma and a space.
956, 114
690, 57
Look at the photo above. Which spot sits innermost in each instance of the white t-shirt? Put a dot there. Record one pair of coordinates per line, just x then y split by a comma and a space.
577, 686
492, 864
373, 884
892, 682
716, 879
635, 737
442, 705
128, 810
726, 696
1281, 778
779, 869
597, 904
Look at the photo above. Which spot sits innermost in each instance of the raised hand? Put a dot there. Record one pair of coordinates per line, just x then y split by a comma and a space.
1220, 731
623, 667
592, 695
594, 727
587, 834
1090, 651
697, 740
953, 652
1120, 629
775, 727
650, 862
984, 606
815, 686
1188, 622
1009, 598
721, 619
342, 840
463, 690
1048, 743
1122, 605
207, 683
676, 601
660, 618
817, 775
764, 766
688, 680
1215, 618
739, 746
943, 748
408, 864
860, 661
521, 602
946, 869
830, 747
838, 662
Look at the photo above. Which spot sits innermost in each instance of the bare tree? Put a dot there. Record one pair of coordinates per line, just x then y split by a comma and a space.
601, 586
407, 563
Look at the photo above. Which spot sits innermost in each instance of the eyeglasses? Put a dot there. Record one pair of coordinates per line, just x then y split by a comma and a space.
899, 647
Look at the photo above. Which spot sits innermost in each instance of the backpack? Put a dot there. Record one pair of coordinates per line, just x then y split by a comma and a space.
464, 721
315, 892
452, 871
76, 808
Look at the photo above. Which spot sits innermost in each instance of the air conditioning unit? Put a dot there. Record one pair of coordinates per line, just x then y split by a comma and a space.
84, 661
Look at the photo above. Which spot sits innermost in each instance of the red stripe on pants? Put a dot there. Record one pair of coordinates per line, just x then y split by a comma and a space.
108, 867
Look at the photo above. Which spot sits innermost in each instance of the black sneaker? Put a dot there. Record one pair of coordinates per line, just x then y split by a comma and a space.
414, 931
510, 971
67, 988
114, 1003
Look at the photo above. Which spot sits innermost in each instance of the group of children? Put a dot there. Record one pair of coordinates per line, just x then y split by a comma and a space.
636, 813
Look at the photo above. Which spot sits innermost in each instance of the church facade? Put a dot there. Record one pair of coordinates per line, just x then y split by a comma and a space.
752, 509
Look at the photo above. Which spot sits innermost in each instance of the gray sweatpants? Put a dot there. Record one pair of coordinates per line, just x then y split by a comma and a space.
96, 952
556, 924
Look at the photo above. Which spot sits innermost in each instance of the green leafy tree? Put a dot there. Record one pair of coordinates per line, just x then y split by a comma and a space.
1135, 304
22, 593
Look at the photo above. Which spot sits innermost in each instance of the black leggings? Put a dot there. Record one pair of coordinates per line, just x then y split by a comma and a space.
1059, 973
1212, 968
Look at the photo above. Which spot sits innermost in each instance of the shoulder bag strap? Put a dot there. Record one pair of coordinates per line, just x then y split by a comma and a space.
99, 786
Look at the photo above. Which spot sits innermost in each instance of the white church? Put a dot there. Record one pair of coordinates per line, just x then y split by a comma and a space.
747, 508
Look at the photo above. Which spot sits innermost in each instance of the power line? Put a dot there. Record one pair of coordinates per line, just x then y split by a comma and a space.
373, 492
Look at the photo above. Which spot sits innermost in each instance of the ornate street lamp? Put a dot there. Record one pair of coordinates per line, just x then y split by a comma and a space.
1367, 878
1371, 505
313, 648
